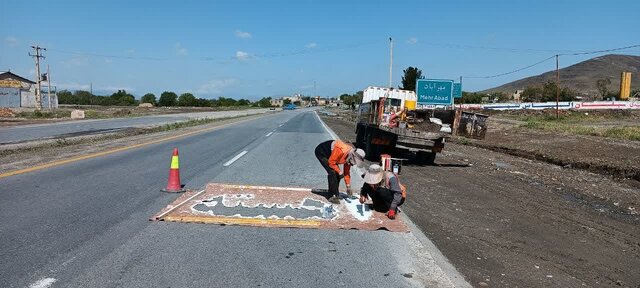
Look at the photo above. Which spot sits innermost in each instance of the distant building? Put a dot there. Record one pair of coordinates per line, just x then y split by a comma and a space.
295, 99
516, 95
17, 91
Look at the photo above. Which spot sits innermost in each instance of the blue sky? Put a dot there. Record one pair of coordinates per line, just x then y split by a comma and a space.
252, 49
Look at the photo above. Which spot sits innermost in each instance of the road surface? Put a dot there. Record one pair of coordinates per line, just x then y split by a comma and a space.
24, 133
85, 224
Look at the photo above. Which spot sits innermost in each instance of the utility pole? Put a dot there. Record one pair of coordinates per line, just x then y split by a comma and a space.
37, 57
49, 86
557, 88
461, 98
391, 64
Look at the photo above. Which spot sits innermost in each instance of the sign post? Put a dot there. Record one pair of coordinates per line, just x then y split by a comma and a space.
435, 92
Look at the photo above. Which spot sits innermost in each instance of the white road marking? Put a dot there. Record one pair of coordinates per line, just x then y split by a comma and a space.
43, 283
280, 125
333, 135
269, 134
234, 159
185, 201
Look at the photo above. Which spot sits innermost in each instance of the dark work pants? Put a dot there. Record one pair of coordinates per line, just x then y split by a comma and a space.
380, 197
323, 152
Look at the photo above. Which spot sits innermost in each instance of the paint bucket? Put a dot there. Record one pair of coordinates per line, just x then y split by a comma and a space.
385, 162
396, 165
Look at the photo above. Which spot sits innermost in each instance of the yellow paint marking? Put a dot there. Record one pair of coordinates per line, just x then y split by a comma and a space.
103, 153
244, 221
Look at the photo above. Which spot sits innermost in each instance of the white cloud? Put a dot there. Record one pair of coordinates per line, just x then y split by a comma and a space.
180, 50
243, 56
243, 34
217, 86
311, 45
412, 40
11, 41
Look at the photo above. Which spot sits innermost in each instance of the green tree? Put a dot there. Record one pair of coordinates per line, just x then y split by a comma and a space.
243, 102
65, 97
411, 75
286, 101
122, 98
549, 91
500, 97
531, 94
603, 87
168, 98
264, 102
470, 98
148, 98
83, 97
226, 102
187, 99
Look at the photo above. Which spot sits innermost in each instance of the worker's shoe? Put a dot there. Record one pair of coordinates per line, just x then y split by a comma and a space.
334, 199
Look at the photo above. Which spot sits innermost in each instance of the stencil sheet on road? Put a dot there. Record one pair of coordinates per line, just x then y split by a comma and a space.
264, 206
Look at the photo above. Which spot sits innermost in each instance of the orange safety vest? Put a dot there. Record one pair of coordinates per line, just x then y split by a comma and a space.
339, 155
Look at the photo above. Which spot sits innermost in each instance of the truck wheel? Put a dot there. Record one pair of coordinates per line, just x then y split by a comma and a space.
427, 158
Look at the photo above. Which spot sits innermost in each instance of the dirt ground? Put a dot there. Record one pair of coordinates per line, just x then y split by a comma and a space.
508, 221
618, 158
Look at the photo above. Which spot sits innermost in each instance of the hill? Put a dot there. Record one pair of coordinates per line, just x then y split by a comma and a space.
582, 77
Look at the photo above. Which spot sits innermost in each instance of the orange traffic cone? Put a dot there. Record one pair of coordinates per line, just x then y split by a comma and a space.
174, 175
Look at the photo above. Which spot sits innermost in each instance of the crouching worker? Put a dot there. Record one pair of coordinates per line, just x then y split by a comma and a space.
384, 189
333, 153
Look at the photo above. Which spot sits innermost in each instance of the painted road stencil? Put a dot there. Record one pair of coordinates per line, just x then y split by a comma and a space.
265, 206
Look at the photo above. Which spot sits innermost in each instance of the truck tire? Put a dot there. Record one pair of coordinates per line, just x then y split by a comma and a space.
426, 158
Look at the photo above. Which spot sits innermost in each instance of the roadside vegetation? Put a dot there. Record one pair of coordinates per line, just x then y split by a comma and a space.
586, 123
166, 99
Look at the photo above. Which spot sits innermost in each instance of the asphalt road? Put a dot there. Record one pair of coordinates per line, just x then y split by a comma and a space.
24, 133
85, 224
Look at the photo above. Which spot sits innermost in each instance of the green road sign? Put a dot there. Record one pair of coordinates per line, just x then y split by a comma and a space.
434, 92
457, 90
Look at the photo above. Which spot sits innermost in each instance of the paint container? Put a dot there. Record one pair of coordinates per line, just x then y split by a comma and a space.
385, 162
396, 165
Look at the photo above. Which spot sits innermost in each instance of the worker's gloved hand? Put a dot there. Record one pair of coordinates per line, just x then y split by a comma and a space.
340, 176
363, 199
350, 192
391, 214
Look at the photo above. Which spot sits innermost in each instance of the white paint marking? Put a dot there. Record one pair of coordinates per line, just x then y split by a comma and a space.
280, 125
269, 134
333, 135
234, 159
181, 203
43, 283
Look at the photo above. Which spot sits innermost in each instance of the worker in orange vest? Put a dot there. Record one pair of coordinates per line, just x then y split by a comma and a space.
333, 153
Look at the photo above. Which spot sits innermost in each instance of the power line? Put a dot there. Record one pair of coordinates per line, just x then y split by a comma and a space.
601, 51
108, 56
549, 58
511, 72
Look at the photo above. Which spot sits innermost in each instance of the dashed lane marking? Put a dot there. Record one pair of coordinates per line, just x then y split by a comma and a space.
103, 153
234, 159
